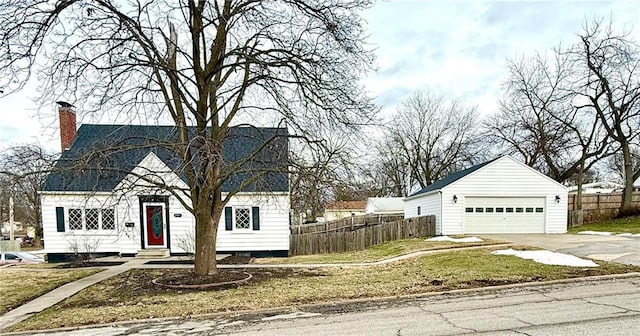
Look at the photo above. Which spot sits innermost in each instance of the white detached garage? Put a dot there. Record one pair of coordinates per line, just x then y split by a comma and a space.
498, 196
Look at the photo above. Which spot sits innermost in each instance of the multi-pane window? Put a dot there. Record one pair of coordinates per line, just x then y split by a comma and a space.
91, 219
243, 218
75, 219
108, 219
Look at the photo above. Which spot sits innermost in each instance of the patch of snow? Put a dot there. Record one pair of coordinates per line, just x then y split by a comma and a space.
629, 235
548, 258
595, 233
455, 240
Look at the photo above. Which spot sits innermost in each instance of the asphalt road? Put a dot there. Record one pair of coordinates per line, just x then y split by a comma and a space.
609, 248
603, 307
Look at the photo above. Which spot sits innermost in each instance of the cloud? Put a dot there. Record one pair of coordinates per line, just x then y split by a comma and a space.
460, 48
455, 48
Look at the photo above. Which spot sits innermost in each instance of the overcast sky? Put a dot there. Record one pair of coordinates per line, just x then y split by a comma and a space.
454, 48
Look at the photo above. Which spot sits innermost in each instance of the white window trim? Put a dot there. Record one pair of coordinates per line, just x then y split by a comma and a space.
233, 216
83, 220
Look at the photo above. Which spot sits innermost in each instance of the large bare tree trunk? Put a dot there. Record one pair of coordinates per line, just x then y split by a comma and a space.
626, 208
206, 231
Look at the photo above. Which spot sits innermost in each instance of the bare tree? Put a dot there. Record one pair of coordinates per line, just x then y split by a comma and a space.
23, 170
434, 136
540, 122
315, 173
611, 86
615, 163
331, 171
203, 66
390, 170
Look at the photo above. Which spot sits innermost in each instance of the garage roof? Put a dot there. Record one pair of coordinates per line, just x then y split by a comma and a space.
451, 178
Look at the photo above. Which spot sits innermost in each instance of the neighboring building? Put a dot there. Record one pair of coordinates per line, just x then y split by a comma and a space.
385, 205
498, 196
109, 205
19, 229
603, 187
341, 209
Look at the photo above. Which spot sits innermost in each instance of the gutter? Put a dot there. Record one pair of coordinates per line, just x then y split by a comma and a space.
423, 194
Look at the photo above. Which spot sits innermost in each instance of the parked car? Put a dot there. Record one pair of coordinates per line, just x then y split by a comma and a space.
7, 258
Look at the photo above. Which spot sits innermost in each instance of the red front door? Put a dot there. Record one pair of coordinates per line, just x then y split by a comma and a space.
155, 225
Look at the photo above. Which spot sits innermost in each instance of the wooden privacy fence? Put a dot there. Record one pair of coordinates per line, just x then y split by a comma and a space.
597, 207
343, 239
349, 223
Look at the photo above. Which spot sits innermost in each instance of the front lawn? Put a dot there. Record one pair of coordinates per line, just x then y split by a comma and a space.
375, 253
132, 296
620, 225
19, 286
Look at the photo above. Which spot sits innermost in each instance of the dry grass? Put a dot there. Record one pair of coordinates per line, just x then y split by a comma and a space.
19, 286
620, 225
131, 295
372, 254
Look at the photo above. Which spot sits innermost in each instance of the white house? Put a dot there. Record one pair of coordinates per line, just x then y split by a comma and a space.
343, 209
107, 203
385, 205
498, 196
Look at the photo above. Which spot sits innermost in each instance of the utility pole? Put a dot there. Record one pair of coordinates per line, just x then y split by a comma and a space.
11, 234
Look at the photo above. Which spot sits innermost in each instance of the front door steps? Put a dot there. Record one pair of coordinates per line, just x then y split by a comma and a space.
153, 253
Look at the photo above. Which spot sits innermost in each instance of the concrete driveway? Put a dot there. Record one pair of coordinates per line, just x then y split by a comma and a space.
623, 250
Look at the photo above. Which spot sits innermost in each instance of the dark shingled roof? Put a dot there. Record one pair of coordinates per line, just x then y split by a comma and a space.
450, 179
102, 155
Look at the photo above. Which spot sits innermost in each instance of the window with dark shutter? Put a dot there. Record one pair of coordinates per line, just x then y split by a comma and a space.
255, 212
228, 221
60, 219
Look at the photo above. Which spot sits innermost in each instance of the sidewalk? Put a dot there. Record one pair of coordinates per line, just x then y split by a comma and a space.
51, 298
343, 265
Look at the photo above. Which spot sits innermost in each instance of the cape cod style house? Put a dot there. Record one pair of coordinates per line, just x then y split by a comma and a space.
102, 197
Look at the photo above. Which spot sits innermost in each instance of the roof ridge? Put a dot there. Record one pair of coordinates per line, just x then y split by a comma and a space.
453, 177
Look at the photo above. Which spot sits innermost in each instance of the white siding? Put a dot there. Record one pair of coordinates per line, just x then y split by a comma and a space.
504, 177
274, 225
105, 240
429, 205
274, 217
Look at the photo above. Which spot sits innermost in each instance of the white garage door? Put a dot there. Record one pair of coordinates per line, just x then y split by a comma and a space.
504, 214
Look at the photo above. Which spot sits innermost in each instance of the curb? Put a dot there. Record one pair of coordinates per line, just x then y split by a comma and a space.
278, 310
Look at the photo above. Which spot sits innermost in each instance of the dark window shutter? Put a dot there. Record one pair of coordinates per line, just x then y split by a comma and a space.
256, 217
228, 220
60, 218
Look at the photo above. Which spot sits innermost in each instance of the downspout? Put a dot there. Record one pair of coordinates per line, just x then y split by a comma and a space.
441, 221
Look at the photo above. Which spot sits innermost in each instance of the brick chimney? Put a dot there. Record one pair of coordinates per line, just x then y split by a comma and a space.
67, 124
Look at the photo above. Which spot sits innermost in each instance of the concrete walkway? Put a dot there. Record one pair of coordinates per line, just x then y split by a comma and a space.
51, 298
367, 264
